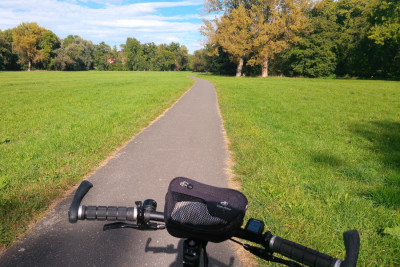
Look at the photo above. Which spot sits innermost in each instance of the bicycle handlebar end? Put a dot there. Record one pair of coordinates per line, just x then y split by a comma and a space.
352, 245
83, 188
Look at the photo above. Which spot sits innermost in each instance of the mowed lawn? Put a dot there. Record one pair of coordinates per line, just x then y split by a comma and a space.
318, 157
56, 127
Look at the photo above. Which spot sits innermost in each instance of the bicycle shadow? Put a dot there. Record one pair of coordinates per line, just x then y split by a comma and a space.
170, 249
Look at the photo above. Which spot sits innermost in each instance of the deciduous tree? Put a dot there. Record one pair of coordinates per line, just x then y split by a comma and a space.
314, 55
7, 57
181, 56
75, 54
133, 52
49, 43
352, 44
198, 61
101, 53
27, 37
233, 33
149, 54
384, 17
276, 26
165, 59
264, 28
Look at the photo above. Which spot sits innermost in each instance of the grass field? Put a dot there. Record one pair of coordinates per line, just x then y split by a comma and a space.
318, 157
56, 127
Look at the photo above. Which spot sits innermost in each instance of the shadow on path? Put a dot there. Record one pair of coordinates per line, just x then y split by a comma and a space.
170, 249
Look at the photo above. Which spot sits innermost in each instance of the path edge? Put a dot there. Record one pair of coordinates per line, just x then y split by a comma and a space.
70, 189
244, 257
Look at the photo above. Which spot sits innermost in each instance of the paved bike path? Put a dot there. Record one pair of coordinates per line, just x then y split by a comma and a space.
186, 141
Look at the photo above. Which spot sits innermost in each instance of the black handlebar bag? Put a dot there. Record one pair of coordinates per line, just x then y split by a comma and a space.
204, 212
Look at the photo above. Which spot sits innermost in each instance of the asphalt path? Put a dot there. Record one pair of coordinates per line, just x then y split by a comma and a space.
187, 141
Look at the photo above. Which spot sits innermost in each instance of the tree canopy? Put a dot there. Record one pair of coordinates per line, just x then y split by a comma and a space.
257, 30
26, 40
346, 38
233, 33
30, 46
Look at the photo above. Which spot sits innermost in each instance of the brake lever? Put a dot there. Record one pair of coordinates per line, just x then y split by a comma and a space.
119, 225
143, 227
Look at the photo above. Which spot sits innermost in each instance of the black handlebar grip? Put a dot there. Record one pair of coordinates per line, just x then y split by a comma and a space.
301, 253
110, 213
352, 245
83, 188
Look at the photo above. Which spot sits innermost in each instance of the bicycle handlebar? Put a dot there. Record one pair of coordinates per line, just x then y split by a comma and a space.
143, 214
300, 253
111, 213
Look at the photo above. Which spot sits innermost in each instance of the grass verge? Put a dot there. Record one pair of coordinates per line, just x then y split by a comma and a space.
318, 157
56, 127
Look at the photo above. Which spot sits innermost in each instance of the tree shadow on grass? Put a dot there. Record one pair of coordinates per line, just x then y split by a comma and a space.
326, 158
384, 139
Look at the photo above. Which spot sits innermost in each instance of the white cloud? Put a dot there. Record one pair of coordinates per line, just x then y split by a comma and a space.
112, 23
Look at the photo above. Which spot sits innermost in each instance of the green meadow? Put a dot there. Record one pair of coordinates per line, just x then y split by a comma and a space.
315, 157
318, 157
56, 127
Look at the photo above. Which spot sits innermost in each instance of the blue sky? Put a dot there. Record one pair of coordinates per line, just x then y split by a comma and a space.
111, 21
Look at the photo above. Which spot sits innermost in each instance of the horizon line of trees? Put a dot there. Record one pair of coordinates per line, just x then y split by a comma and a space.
345, 38
30, 46
294, 38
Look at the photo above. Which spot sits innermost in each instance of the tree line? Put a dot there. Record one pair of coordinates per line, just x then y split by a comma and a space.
30, 46
345, 38
355, 38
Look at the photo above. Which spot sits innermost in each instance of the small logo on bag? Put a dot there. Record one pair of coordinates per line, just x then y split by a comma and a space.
224, 205
186, 184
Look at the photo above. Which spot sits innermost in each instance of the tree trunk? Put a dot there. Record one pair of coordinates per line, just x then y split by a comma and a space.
265, 67
29, 65
239, 67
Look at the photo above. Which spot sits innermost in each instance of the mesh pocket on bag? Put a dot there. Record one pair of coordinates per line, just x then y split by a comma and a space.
195, 213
